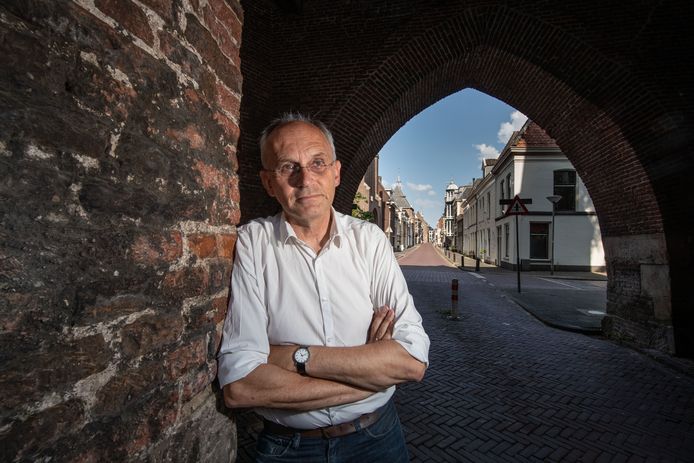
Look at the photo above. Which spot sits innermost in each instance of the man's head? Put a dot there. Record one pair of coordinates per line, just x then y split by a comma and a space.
299, 168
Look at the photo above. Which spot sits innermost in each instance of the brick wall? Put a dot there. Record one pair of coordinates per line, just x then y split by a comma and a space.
604, 80
119, 122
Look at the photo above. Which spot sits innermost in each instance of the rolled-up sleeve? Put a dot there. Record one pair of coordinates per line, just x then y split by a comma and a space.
245, 343
390, 288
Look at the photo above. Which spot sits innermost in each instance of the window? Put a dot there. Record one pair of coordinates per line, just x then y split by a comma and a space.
565, 186
506, 236
489, 205
508, 186
539, 234
502, 196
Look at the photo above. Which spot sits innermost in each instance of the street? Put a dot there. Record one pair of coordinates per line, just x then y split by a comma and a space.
503, 386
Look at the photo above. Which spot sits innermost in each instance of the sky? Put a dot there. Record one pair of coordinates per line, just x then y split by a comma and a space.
447, 141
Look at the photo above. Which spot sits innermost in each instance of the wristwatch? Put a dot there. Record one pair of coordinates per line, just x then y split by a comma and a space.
301, 356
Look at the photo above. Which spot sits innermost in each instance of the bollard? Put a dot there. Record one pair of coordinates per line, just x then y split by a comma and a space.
454, 300
477, 264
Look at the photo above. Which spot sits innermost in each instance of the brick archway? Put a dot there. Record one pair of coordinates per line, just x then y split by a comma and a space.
366, 72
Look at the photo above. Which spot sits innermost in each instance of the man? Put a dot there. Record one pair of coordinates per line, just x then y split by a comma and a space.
320, 325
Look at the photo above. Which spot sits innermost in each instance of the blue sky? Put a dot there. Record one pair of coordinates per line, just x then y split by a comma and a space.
446, 142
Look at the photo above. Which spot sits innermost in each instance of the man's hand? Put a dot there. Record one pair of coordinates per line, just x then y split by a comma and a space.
382, 323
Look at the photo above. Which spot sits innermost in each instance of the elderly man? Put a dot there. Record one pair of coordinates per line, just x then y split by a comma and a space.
320, 326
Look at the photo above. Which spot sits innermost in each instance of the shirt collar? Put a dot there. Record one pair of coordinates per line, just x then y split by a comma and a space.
336, 229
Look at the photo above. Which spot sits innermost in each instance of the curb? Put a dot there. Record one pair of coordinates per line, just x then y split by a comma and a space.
560, 326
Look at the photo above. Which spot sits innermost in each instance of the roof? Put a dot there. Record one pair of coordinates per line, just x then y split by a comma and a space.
530, 136
534, 137
398, 197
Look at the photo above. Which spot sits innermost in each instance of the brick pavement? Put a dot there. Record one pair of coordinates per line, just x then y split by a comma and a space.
504, 387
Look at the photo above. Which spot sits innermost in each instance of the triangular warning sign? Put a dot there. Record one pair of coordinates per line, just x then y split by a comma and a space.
516, 207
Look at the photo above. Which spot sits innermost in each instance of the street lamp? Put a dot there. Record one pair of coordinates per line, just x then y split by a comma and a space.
554, 199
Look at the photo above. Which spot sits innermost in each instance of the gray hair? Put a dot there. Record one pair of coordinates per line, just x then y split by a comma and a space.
286, 118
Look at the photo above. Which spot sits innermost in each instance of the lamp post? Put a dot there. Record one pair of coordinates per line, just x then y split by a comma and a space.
554, 199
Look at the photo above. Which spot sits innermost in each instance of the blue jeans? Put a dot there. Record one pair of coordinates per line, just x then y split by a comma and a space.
383, 441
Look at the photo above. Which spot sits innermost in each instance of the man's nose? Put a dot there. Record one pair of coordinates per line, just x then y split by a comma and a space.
303, 177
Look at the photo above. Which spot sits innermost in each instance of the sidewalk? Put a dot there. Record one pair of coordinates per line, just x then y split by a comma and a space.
579, 311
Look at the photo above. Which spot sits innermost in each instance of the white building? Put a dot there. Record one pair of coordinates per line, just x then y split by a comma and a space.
449, 213
532, 166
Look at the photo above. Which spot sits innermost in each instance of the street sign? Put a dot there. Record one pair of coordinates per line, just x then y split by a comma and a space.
516, 205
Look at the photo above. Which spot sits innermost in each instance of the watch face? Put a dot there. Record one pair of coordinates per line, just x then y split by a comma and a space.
301, 355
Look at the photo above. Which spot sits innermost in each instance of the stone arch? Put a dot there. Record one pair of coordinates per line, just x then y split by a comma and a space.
556, 68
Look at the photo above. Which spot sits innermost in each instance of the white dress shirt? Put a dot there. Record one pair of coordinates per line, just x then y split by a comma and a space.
283, 293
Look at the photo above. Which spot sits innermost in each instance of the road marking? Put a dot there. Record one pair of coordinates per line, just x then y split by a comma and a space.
477, 275
560, 283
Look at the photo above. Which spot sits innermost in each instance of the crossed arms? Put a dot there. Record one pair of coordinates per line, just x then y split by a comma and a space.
335, 375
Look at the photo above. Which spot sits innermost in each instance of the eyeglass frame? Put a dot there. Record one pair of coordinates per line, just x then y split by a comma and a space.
298, 168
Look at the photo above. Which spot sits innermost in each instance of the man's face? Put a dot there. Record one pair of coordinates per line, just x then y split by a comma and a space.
306, 196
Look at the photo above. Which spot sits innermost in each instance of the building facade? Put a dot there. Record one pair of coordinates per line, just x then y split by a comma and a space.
531, 166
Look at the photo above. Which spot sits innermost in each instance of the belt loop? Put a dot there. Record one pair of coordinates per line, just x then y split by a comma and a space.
296, 440
357, 424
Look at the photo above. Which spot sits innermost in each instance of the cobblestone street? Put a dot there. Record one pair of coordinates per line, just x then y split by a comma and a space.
502, 386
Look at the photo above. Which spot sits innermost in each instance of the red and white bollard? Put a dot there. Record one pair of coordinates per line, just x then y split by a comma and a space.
454, 300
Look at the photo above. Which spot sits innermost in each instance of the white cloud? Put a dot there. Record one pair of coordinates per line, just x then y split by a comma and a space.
431, 193
419, 186
506, 129
486, 151
424, 203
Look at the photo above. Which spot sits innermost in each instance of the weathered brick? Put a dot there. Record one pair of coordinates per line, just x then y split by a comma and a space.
202, 245
205, 44
158, 248
130, 389
187, 282
164, 8
230, 128
51, 366
227, 100
230, 151
225, 245
90, 226
214, 178
190, 135
128, 15
25, 438
222, 34
114, 308
187, 357
150, 333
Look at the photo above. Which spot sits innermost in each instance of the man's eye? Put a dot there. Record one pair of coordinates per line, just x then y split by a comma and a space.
287, 167
318, 163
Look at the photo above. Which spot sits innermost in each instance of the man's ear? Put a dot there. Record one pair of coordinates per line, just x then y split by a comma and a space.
337, 172
267, 184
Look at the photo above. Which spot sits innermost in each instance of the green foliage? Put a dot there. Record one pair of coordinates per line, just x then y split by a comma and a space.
357, 212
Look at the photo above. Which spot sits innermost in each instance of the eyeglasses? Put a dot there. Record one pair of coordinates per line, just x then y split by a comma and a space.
290, 169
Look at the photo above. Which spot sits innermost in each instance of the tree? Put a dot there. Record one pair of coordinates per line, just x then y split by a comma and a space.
357, 211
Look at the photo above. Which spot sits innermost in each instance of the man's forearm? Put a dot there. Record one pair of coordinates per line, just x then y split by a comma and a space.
273, 387
374, 366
